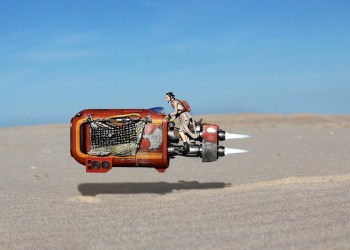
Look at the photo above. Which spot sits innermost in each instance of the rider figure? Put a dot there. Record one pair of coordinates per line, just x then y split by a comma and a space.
186, 120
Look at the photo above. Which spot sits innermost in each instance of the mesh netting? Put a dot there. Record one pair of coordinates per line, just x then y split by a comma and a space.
111, 135
120, 137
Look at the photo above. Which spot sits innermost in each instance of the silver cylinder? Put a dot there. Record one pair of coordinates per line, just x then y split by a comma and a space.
194, 150
221, 135
172, 137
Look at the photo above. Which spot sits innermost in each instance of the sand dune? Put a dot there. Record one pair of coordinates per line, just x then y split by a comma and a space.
290, 191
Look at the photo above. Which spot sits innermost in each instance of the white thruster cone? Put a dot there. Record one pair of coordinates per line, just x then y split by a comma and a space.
229, 151
229, 136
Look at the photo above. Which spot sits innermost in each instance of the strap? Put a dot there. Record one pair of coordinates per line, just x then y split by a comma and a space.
184, 110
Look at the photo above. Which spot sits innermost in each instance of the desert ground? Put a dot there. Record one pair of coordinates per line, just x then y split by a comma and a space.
291, 191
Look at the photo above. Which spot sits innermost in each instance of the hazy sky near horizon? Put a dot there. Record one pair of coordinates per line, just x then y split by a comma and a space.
226, 56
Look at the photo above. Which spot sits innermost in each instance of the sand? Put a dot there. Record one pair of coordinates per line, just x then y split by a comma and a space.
291, 191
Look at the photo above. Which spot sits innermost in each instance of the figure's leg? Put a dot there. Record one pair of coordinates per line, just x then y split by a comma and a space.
189, 127
184, 138
184, 128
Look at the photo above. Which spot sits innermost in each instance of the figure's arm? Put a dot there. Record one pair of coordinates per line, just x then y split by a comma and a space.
172, 116
175, 109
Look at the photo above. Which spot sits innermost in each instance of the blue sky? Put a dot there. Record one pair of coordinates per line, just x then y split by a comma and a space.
266, 56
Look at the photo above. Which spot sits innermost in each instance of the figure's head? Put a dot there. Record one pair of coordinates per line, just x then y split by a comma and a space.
169, 96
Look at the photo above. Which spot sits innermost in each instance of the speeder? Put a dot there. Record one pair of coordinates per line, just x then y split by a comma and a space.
106, 138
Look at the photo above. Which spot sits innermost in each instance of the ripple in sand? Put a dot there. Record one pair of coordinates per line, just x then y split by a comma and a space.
85, 199
290, 181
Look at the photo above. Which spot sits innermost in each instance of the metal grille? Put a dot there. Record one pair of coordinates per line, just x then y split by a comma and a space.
107, 134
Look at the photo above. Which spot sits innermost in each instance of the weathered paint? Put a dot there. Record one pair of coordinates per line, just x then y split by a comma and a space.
147, 156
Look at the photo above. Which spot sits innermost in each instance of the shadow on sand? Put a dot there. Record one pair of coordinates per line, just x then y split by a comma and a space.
92, 189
